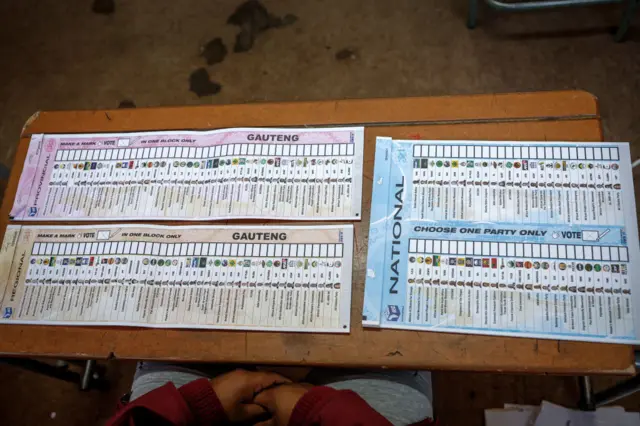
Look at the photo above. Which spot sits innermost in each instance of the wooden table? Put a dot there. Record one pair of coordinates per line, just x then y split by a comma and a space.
563, 116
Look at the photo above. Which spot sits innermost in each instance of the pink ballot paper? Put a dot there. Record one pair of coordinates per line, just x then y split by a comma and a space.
298, 174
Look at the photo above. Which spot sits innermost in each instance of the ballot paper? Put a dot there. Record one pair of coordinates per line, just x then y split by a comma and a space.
548, 414
301, 174
282, 278
531, 239
556, 415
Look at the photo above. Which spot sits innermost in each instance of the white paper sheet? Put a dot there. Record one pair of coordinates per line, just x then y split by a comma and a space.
548, 414
556, 415
508, 417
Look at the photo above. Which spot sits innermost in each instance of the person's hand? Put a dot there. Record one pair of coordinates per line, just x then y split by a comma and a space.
280, 402
236, 391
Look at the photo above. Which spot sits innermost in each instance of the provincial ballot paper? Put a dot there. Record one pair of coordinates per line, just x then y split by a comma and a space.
302, 174
280, 278
525, 239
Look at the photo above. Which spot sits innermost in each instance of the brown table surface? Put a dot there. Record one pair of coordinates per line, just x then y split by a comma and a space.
564, 116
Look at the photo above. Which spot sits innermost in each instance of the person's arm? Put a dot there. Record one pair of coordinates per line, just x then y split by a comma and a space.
195, 403
304, 405
326, 406
226, 398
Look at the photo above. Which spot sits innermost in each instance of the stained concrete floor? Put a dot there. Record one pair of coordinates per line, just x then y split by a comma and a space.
61, 55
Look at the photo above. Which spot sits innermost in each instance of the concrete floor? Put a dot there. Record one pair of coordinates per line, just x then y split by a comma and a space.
61, 55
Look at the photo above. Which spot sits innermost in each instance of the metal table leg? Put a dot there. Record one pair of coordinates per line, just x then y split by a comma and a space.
472, 16
544, 4
625, 21
591, 401
630, 9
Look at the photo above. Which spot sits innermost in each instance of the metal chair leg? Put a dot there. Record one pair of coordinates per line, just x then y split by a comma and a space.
60, 372
87, 375
586, 394
4, 171
625, 21
472, 14
619, 391
92, 376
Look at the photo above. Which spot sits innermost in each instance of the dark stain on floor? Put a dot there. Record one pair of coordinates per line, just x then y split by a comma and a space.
126, 103
345, 54
214, 51
253, 18
103, 7
200, 83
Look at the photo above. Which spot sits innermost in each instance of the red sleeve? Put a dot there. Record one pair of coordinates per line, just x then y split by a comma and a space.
326, 406
192, 404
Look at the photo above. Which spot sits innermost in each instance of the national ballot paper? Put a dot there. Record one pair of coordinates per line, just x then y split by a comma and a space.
278, 278
525, 239
264, 173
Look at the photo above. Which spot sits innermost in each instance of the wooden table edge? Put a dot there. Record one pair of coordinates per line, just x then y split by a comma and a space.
571, 105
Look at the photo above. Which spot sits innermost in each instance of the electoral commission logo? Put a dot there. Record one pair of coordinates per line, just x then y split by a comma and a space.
33, 211
392, 313
7, 313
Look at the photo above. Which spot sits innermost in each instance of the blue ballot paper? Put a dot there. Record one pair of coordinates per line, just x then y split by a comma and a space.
530, 239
